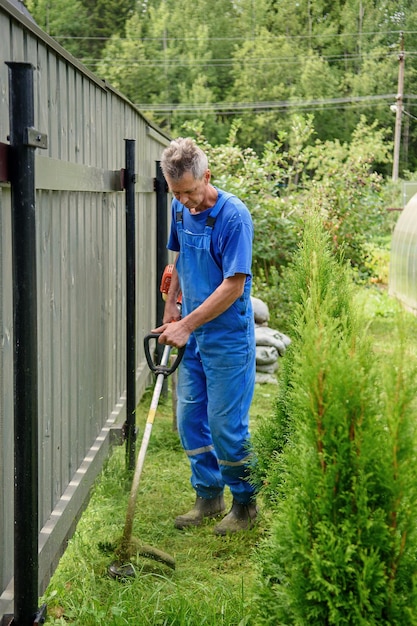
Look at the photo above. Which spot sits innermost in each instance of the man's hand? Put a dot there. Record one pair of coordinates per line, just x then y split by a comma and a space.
173, 334
177, 334
171, 312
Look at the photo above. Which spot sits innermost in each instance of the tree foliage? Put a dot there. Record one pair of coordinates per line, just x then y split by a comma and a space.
298, 174
237, 58
82, 26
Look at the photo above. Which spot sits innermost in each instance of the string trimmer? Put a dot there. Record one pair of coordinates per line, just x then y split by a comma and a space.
128, 546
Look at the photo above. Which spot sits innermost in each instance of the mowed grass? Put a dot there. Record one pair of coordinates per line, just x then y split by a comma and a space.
213, 583
213, 577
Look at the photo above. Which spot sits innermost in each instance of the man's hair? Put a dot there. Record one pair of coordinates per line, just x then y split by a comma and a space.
181, 156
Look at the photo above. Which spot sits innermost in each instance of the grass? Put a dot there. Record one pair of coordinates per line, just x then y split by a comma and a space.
213, 574
213, 581
386, 318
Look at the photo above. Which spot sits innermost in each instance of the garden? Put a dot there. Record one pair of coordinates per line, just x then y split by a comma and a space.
334, 439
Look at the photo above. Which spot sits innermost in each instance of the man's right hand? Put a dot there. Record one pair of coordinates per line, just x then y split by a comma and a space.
174, 334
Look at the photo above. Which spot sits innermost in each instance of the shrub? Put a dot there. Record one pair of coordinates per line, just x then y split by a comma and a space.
292, 177
337, 465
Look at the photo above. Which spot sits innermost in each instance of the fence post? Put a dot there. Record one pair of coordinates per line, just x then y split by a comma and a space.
129, 183
161, 189
23, 141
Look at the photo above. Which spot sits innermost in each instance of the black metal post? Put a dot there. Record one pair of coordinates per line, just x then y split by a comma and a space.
130, 179
161, 189
22, 178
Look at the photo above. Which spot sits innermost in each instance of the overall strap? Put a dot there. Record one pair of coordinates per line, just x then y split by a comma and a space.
211, 220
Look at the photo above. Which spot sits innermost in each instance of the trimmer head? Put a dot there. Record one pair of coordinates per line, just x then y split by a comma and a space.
122, 568
119, 571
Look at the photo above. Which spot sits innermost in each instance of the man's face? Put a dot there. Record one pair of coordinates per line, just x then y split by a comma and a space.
191, 192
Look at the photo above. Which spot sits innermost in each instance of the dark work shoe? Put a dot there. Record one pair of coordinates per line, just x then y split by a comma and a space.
203, 507
240, 517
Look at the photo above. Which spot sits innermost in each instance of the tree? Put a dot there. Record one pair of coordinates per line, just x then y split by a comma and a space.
66, 21
106, 17
259, 61
130, 63
257, 81
82, 26
339, 456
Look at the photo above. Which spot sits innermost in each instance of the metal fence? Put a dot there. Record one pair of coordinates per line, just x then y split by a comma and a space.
81, 281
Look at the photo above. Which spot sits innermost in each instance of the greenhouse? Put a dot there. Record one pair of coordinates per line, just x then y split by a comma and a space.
403, 263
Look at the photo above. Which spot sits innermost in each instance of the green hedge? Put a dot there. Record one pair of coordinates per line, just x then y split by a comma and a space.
337, 463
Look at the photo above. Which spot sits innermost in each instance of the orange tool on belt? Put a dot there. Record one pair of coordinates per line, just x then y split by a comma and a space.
166, 283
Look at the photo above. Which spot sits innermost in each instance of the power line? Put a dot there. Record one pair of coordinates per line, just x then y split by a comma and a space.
301, 109
227, 62
225, 107
243, 37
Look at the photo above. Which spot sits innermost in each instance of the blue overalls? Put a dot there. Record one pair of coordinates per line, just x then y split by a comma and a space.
216, 375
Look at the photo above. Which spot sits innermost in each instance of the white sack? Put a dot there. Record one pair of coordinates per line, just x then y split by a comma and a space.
265, 336
266, 355
267, 369
260, 310
262, 379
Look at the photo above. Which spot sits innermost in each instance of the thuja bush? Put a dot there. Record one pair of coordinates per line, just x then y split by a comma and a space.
331, 283
337, 465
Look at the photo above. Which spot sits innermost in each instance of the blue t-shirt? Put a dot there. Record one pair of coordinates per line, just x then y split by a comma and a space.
232, 236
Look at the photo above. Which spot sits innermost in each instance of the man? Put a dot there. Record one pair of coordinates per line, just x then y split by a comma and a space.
212, 233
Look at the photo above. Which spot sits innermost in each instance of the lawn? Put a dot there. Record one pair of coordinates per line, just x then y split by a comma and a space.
213, 576
213, 580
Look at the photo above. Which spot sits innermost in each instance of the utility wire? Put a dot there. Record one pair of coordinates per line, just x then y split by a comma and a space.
245, 37
220, 62
223, 107
301, 109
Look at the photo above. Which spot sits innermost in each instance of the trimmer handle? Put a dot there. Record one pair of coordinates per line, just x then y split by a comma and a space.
162, 368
